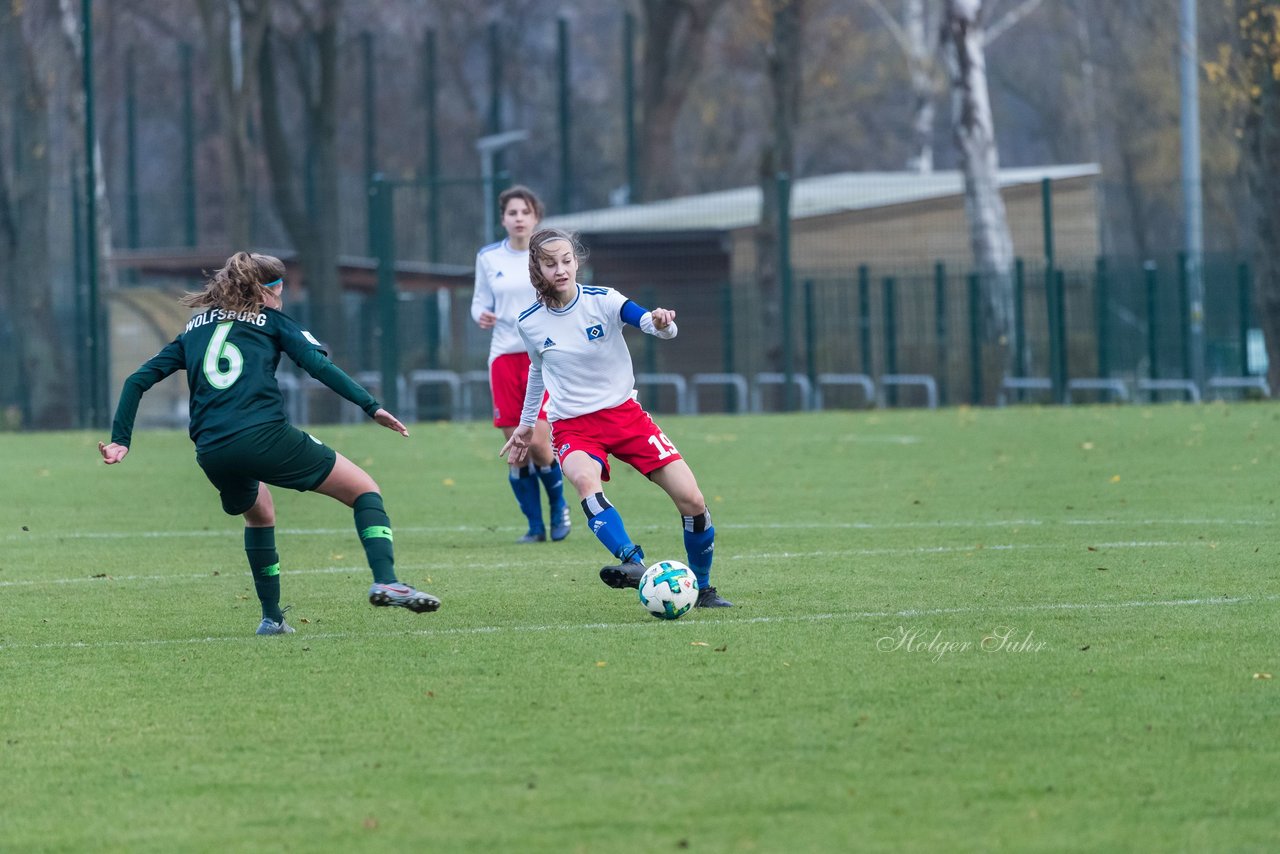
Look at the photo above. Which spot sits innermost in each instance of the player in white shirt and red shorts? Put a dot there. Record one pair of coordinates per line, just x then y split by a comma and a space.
502, 292
573, 334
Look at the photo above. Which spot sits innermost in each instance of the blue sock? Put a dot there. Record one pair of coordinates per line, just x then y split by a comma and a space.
524, 483
699, 545
553, 483
607, 525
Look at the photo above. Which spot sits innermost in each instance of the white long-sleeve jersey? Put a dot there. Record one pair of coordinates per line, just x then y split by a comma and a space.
578, 354
502, 287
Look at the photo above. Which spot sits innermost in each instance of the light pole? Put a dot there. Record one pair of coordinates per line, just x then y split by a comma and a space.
1192, 202
489, 146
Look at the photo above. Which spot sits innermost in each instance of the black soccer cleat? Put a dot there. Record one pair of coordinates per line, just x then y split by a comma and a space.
709, 598
625, 574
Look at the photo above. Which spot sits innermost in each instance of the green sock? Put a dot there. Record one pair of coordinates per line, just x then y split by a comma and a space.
374, 529
264, 564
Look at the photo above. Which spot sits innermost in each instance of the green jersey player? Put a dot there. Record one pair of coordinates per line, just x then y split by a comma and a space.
243, 439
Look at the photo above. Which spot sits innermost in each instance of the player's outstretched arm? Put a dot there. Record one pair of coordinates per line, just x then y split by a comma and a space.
386, 419
517, 447
113, 453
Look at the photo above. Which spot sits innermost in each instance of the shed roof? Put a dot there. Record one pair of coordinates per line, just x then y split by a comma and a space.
810, 197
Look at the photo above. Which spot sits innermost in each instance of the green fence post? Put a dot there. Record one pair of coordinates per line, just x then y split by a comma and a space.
562, 67
188, 146
810, 336
1060, 368
1019, 318
784, 272
133, 231
84, 386
430, 87
382, 234
890, 337
1151, 276
864, 318
1246, 309
731, 393
1184, 313
370, 127
940, 326
629, 102
1102, 298
975, 339
495, 101
1053, 315
98, 342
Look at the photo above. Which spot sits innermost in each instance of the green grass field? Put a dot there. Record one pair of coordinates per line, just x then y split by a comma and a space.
1025, 629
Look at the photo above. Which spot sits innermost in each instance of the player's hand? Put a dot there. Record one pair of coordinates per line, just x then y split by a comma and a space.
487, 320
386, 419
517, 447
663, 317
113, 453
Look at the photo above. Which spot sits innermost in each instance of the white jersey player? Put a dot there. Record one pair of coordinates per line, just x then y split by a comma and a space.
502, 291
573, 335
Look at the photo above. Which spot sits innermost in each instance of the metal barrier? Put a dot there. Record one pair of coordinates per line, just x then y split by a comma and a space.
1116, 387
676, 381
420, 378
925, 381
1186, 387
1219, 384
736, 381
775, 378
469, 379
1021, 384
860, 380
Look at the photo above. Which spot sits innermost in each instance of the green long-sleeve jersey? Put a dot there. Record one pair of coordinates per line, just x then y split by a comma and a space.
231, 361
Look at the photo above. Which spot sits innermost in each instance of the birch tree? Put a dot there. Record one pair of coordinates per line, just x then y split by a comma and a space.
917, 36
974, 132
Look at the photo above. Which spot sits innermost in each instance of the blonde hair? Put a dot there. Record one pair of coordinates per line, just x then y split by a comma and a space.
537, 251
240, 285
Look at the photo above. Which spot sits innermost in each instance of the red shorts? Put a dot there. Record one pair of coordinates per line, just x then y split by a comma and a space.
508, 376
625, 431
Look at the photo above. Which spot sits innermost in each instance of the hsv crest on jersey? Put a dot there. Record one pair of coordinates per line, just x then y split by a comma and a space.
594, 332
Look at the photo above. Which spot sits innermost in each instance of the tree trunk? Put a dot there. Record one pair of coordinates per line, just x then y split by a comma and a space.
1260, 37
974, 133
778, 156
234, 30
37, 382
313, 229
675, 37
922, 50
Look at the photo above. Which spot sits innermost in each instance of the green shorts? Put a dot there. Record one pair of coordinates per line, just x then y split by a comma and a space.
279, 454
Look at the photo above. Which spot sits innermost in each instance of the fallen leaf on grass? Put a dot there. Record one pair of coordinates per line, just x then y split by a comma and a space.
100, 575
1262, 676
698, 643
722, 648
602, 664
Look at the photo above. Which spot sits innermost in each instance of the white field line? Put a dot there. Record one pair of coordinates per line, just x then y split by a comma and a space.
799, 526
691, 625
409, 567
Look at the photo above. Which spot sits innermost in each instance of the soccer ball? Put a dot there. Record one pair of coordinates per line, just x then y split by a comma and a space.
668, 589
